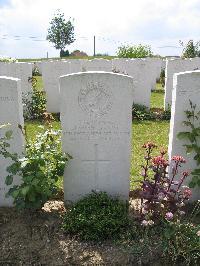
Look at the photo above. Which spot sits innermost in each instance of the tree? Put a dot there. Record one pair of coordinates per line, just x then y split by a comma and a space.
135, 51
60, 32
191, 50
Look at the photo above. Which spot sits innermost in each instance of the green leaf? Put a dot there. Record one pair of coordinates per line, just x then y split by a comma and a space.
183, 135
8, 134
9, 180
25, 190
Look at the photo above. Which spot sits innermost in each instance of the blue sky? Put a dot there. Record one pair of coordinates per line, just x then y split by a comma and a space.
160, 24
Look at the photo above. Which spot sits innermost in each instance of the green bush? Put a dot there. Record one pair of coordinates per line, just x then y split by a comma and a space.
97, 217
141, 112
41, 167
181, 243
34, 103
135, 51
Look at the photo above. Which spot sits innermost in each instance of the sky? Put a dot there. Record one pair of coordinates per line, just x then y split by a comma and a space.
159, 23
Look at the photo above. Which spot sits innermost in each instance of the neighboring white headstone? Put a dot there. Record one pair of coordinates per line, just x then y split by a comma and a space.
76, 65
51, 71
96, 112
10, 112
98, 65
175, 66
141, 71
22, 71
186, 87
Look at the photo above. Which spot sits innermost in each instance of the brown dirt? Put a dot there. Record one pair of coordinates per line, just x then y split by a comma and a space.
37, 239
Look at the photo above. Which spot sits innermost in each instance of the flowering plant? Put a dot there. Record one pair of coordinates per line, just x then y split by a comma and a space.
162, 195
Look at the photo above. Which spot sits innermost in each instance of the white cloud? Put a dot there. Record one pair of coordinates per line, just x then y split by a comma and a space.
155, 22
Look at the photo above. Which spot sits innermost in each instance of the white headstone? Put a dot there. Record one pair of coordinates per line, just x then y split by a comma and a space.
10, 112
98, 65
175, 66
76, 65
186, 87
140, 70
96, 112
22, 71
51, 71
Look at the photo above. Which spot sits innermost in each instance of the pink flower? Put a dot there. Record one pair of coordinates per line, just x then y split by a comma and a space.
169, 215
149, 145
185, 173
178, 159
159, 161
187, 193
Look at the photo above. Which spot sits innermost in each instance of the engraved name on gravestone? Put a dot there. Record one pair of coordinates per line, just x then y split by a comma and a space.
96, 123
186, 87
10, 112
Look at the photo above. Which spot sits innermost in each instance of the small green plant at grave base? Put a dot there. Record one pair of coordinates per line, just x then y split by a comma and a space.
97, 217
36, 71
181, 243
193, 136
34, 103
41, 167
141, 112
162, 77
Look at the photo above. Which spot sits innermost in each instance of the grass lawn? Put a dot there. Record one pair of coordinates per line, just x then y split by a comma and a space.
157, 97
108, 57
142, 131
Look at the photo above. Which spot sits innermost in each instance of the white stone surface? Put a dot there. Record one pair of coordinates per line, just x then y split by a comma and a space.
96, 110
175, 66
22, 71
51, 71
76, 65
10, 112
141, 70
186, 87
97, 65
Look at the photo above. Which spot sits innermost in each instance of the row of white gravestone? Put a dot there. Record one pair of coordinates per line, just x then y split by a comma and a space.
96, 126
10, 112
22, 71
144, 72
175, 66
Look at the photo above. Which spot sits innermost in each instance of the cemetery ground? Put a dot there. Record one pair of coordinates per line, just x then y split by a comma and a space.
38, 239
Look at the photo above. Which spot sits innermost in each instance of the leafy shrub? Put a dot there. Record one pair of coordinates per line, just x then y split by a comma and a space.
191, 49
97, 217
64, 53
141, 112
193, 123
7, 59
162, 197
40, 169
34, 103
135, 51
162, 77
181, 243
35, 71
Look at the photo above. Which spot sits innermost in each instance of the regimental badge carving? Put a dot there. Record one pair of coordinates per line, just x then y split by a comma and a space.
95, 99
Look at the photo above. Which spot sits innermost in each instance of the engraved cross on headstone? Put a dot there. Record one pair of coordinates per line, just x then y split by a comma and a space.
96, 162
